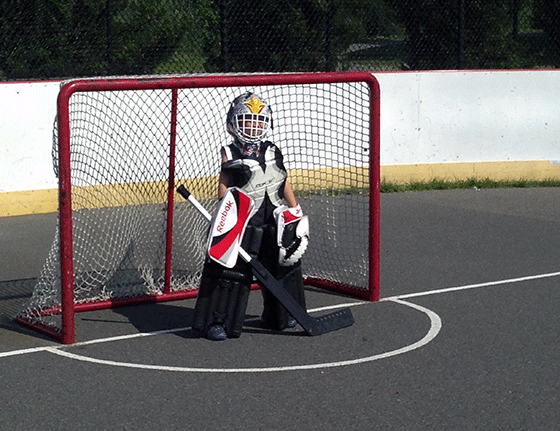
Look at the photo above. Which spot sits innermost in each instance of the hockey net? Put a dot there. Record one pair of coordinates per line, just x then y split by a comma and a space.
121, 147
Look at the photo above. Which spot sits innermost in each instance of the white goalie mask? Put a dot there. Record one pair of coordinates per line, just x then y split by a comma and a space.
249, 118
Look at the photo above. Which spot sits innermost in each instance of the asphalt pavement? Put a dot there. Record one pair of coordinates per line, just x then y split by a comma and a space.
466, 336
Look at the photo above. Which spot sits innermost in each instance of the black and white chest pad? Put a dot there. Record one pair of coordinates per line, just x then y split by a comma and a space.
259, 177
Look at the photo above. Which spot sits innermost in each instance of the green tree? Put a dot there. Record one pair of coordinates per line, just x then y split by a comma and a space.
48, 39
165, 36
367, 34
75, 38
546, 13
440, 32
275, 36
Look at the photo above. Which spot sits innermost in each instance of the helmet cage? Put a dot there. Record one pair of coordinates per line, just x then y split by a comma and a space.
251, 127
249, 118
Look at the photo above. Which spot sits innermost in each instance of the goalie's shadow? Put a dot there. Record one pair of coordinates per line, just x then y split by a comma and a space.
254, 325
148, 318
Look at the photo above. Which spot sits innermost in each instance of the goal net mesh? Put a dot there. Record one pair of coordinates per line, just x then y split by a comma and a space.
120, 168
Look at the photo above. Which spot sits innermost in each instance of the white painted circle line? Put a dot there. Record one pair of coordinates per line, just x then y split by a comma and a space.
473, 286
435, 326
392, 298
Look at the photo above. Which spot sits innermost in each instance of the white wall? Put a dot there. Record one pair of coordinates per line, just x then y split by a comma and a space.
426, 118
438, 117
27, 113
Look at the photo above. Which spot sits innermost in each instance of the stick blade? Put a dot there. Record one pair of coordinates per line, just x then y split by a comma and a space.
331, 322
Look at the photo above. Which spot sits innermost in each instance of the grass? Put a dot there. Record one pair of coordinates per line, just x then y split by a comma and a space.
436, 184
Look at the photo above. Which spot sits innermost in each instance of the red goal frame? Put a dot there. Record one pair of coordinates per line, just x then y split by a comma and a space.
68, 308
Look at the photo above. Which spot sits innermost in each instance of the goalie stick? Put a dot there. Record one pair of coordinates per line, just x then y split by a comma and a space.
312, 325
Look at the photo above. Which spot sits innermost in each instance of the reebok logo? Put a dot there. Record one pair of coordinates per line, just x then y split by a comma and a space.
223, 216
260, 185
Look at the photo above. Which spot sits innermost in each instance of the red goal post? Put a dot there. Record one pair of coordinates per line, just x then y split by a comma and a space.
122, 147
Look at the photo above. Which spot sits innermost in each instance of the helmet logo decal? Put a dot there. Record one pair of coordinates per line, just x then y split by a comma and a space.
255, 105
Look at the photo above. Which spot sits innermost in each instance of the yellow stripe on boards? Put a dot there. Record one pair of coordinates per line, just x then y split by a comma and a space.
538, 170
46, 201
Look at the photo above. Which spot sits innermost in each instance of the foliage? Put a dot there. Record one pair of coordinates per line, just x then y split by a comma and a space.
546, 14
442, 32
164, 36
61, 38
275, 36
72, 38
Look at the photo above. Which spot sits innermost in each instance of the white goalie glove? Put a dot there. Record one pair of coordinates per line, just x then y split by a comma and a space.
293, 234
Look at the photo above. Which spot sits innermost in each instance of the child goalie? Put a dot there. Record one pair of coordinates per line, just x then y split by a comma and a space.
277, 233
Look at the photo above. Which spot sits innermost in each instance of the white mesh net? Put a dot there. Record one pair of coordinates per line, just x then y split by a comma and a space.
120, 145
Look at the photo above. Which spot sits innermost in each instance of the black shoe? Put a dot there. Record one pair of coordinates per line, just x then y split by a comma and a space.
216, 333
292, 323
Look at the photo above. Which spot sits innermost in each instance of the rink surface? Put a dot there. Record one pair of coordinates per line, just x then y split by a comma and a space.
465, 336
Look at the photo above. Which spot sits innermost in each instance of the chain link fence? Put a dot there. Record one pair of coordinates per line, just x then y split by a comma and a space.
54, 39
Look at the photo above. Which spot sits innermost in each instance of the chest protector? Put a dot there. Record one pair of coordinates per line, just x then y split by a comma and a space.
261, 175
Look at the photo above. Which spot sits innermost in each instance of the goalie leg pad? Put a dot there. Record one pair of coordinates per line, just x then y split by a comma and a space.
222, 298
275, 316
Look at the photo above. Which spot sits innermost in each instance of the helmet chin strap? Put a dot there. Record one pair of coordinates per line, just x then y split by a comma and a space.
249, 149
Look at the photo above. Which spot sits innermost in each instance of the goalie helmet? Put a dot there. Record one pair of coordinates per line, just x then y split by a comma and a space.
249, 118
